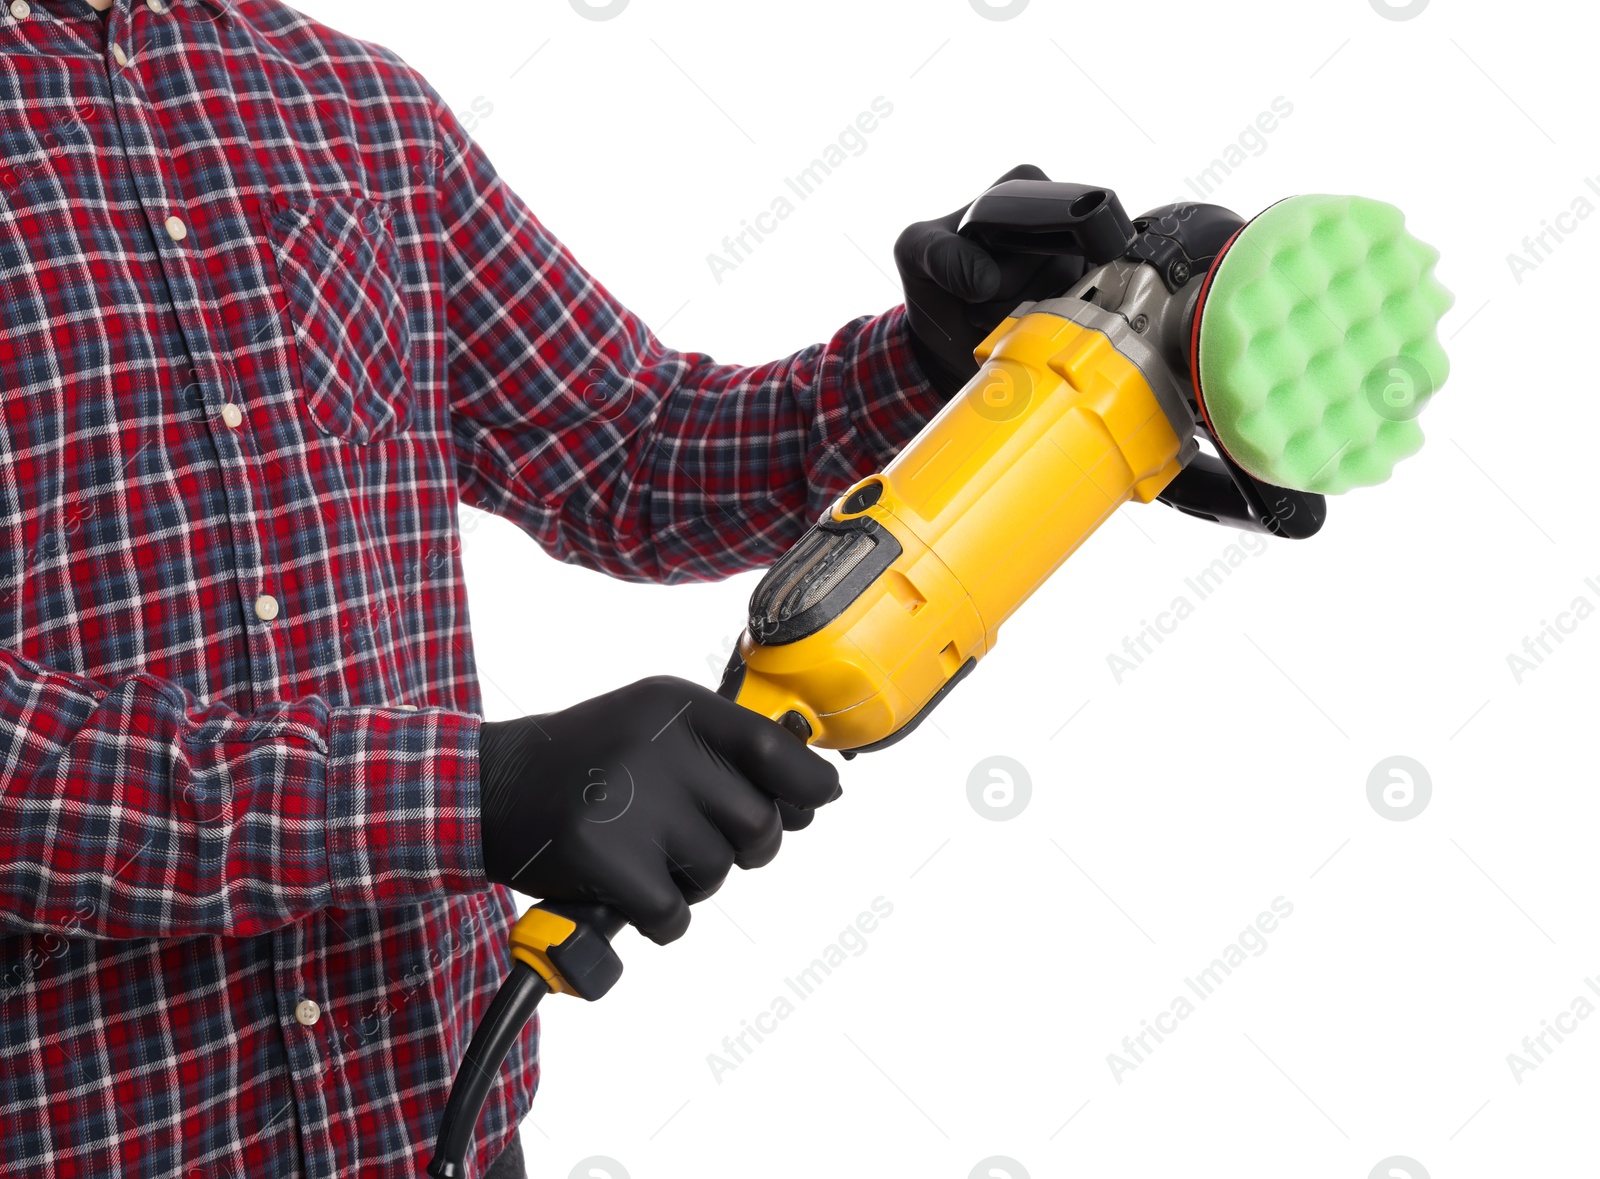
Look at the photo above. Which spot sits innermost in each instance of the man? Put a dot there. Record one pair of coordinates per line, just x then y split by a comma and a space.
266, 313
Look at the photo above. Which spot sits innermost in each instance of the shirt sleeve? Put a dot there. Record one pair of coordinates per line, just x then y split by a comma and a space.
618, 453
133, 810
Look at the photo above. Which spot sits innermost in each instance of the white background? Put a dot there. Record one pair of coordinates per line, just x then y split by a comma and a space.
1228, 770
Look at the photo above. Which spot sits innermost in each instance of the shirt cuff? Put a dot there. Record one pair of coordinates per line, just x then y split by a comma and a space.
890, 398
403, 816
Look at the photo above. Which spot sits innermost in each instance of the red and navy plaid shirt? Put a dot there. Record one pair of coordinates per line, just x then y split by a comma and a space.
266, 316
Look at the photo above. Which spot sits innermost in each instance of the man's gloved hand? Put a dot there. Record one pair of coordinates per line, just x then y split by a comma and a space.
956, 291
641, 799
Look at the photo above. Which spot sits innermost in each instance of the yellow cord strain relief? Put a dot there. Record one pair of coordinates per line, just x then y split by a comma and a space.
531, 938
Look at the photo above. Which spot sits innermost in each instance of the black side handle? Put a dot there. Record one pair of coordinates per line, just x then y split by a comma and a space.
1216, 488
1050, 217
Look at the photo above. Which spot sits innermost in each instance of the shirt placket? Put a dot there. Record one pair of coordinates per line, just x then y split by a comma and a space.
174, 239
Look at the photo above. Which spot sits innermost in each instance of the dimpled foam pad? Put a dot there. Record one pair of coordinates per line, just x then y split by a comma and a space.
1318, 344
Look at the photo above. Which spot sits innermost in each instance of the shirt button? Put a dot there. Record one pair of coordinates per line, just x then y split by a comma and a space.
306, 1012
116, 52
156, 6
232, 416
266, 607
20, 9
176, 229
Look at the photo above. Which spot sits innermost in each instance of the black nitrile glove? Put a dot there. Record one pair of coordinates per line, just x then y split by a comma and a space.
956, 291
641, 799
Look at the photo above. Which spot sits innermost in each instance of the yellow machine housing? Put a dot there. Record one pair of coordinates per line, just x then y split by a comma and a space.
1055, 432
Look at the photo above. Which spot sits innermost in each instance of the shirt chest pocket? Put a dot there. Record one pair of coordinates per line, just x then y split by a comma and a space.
338, 263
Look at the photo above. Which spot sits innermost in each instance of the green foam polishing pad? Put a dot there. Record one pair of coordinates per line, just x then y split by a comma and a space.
1317, 343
